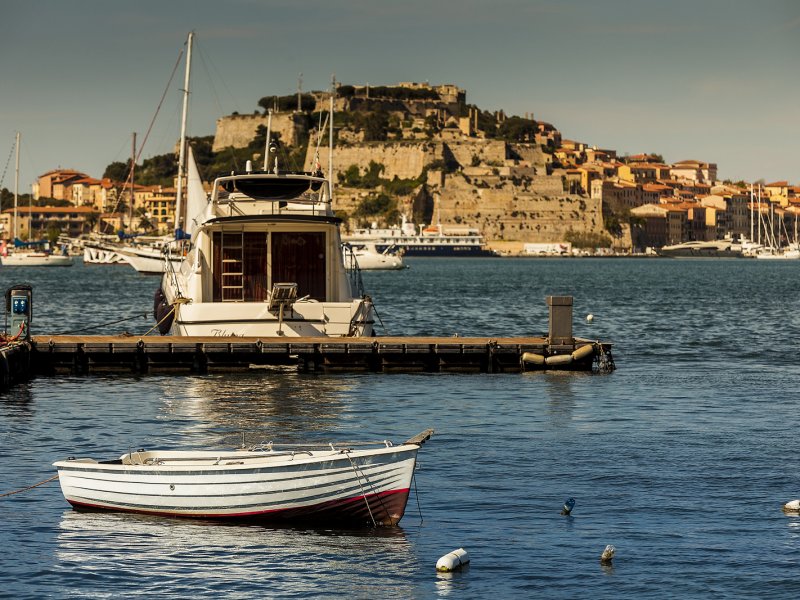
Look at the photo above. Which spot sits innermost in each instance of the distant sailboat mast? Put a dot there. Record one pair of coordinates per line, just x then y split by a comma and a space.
182, 149
330, 144
133, 173
16, 185
752, 215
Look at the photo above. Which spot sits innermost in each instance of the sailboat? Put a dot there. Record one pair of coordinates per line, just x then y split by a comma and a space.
30, 254
265, 257
147, 258
773, 249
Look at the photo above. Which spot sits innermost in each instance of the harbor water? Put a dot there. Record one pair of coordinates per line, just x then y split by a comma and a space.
681, 459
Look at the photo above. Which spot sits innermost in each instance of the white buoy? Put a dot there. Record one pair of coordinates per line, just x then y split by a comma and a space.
793, 506
607, 554
452, 561
590, 317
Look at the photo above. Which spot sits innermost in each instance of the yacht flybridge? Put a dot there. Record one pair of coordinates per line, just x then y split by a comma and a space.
265, 260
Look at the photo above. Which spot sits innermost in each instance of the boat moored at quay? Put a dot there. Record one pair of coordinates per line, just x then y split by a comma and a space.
700, 249
435, 240
266, 259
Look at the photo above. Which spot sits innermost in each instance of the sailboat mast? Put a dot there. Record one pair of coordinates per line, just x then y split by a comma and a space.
760, 216
16, 184
330, 143
182, 149
133, 173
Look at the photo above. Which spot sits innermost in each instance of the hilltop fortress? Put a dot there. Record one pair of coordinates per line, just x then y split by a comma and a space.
465, 178
422, 151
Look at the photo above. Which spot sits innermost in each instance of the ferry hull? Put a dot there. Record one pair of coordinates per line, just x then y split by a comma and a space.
451, 251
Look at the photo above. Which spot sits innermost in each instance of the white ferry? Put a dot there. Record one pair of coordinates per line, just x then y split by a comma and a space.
435, 240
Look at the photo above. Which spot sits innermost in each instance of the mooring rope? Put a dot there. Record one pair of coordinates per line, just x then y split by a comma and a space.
363, 493
8, 339
30, 487
416, 495
385, 330
166, 316
149, 331
136, 316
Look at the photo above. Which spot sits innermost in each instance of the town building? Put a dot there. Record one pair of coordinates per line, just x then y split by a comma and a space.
34, 222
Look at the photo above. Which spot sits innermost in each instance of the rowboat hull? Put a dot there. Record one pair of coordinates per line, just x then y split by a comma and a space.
333, 486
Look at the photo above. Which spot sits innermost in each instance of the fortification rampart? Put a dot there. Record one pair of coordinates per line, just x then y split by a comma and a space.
239, 130
401, 160
508, 214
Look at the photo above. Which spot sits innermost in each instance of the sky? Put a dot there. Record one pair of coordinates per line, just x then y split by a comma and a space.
712, 80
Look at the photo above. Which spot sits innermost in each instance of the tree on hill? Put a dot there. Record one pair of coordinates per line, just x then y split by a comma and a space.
288, 103
387, 92
380, 206
117, 171
487, 122
517, 129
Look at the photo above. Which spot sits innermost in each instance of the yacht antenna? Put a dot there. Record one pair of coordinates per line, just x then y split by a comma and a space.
269, 136
299, 92
320, 129
182, 149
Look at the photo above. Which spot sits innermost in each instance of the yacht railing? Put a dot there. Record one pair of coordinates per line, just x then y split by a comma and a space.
175, 249
353, 271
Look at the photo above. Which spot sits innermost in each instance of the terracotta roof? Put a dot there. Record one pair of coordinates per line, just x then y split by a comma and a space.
89, 181
778, 184
656, 187
64, 171
53, 210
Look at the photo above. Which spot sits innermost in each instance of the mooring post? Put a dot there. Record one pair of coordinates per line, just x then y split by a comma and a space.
560, 332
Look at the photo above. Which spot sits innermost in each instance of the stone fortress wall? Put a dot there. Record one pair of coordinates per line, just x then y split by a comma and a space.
508, 191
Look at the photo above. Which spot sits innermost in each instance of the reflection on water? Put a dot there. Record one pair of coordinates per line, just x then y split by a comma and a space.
452, 583
17, 403
286, 406
562, 400
197, 557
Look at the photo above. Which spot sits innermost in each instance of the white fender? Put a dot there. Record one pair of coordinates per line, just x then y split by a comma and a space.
452, 561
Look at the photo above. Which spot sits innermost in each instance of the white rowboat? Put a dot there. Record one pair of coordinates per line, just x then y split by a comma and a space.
342, 483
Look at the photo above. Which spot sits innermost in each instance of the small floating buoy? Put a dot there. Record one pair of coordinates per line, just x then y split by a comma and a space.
793, 506
607, 555
452, 561
568, 506
590, 317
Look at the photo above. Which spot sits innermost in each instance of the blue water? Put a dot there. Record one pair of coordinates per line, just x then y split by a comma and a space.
681, 458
